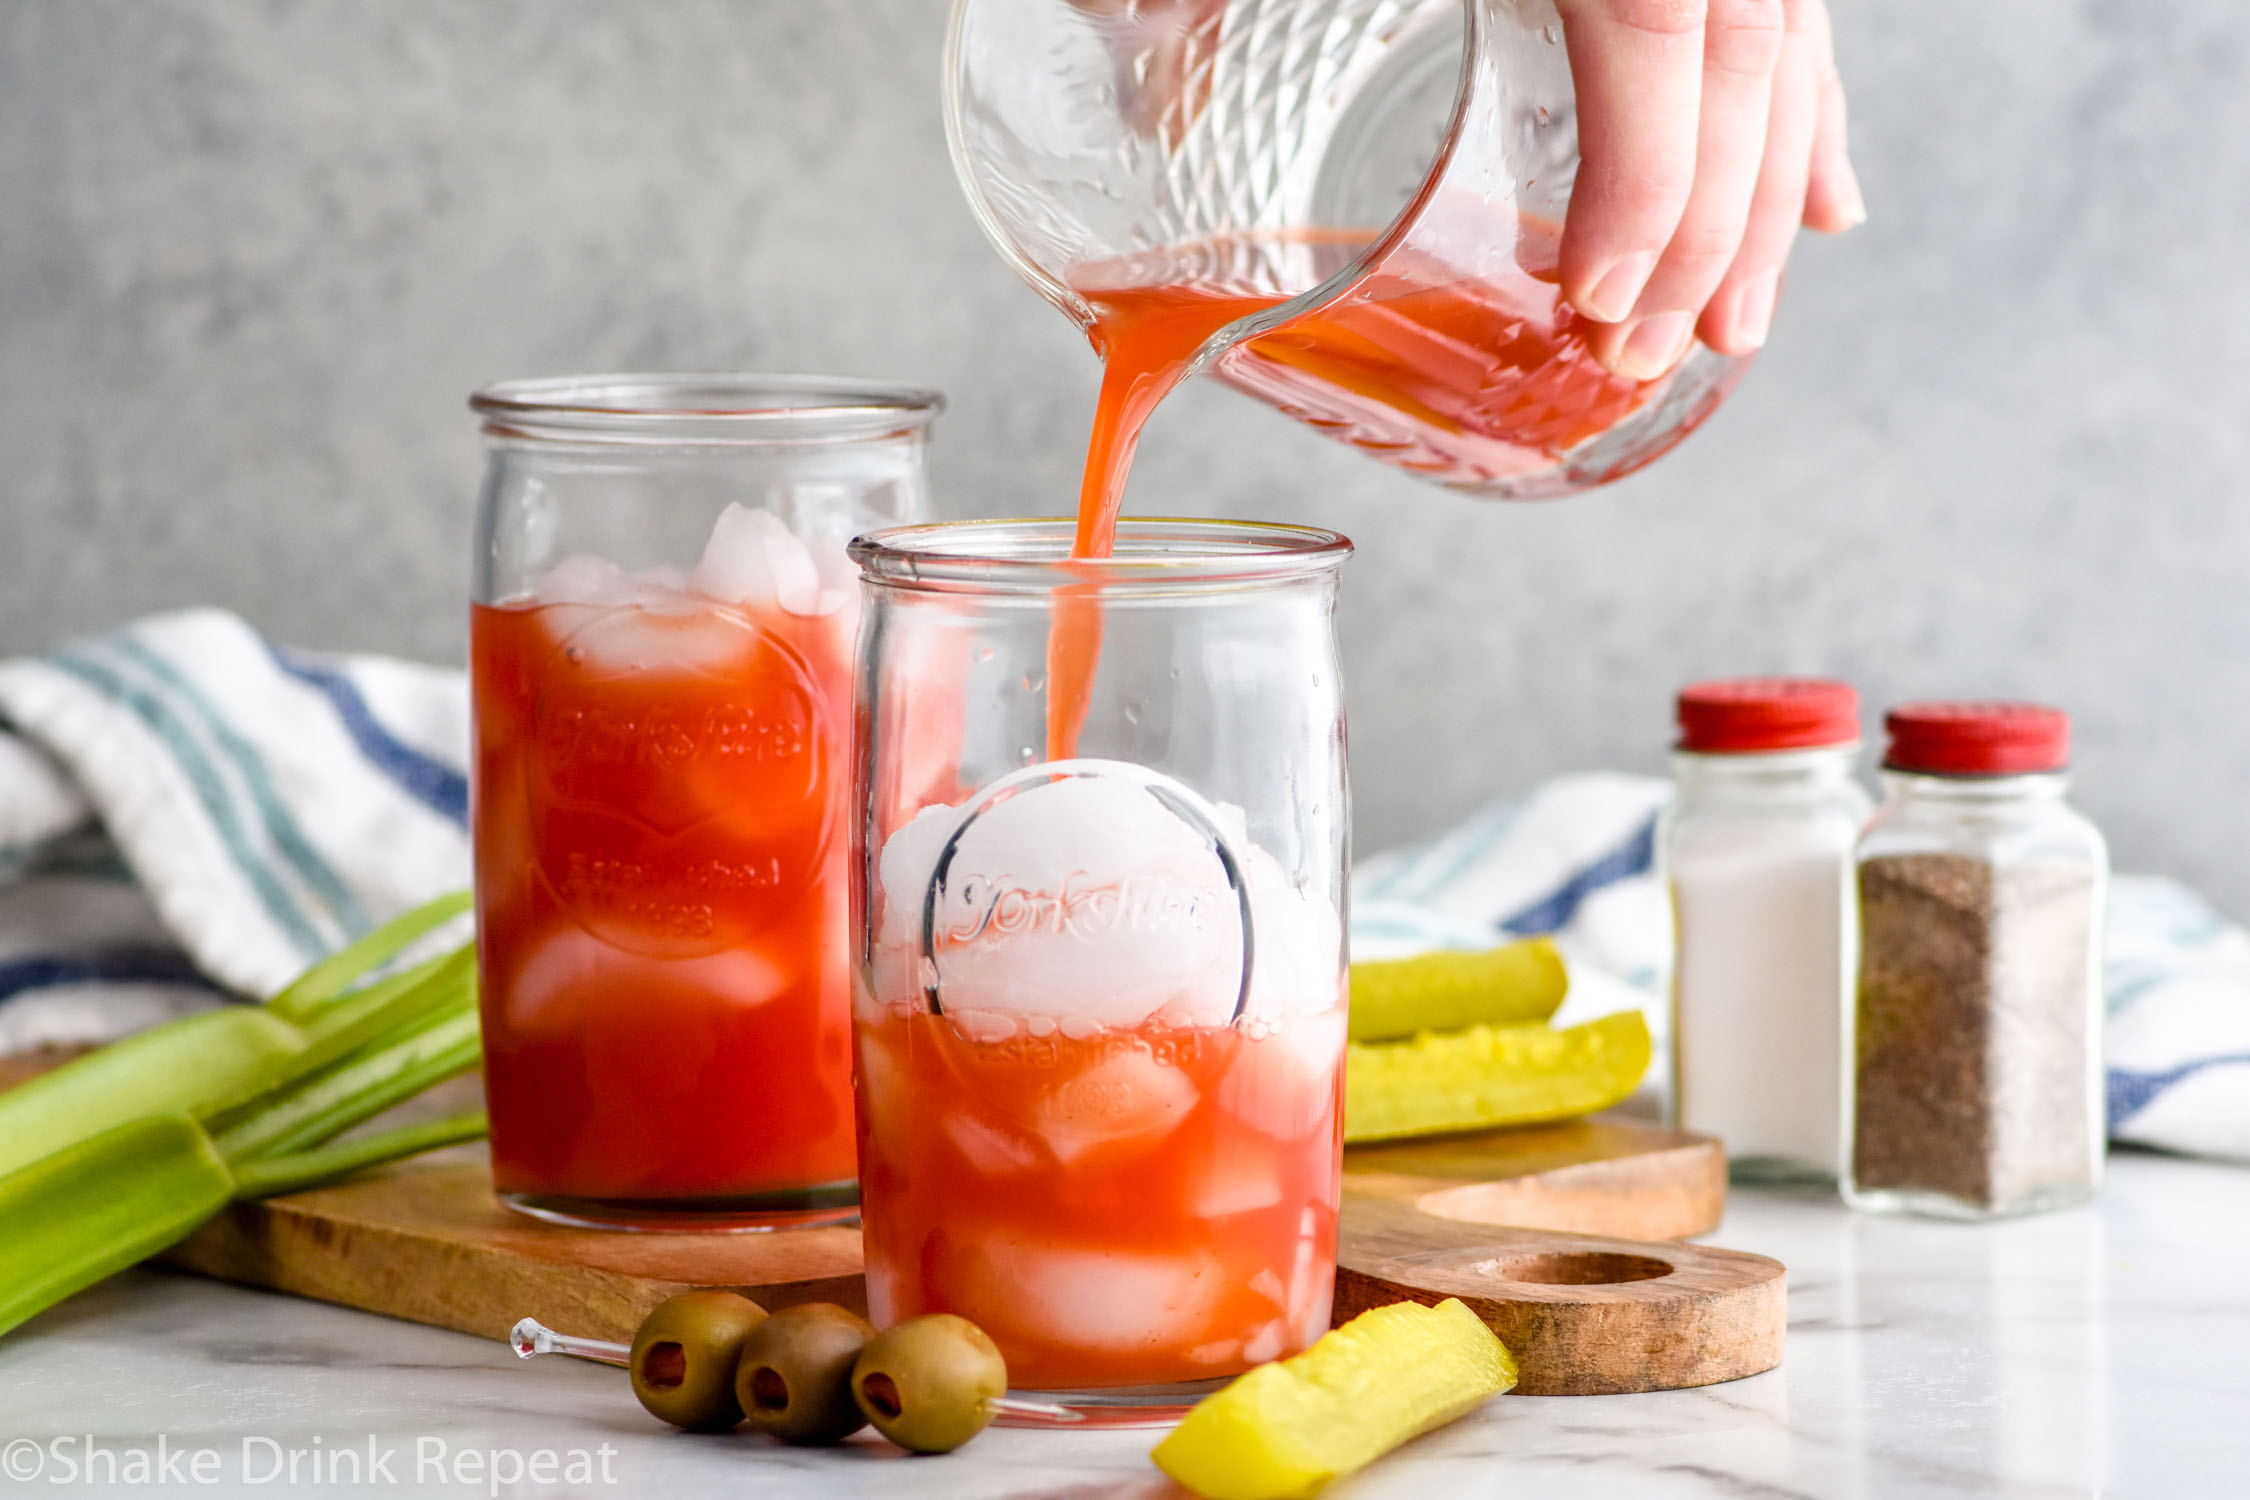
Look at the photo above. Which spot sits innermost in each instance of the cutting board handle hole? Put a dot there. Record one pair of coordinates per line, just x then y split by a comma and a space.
1577, 1268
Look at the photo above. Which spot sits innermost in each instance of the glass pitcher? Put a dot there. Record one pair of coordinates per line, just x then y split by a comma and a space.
1368, 193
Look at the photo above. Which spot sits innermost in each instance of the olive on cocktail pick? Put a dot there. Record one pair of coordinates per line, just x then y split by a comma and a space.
684, 1355
931, 1383
794, 1379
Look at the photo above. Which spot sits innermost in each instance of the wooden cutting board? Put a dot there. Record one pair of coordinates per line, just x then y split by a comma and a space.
1602, 1175
426, 1241
1584, 1315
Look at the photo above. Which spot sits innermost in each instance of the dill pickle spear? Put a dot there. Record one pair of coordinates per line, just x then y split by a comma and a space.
1516, 985
1285, 1429
1485, 1076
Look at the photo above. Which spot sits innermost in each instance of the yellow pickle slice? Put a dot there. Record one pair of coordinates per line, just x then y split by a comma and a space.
1287, 1428
1516, 985
1486, 1076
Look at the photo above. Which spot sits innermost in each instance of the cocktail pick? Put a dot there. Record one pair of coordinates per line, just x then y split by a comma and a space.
530, 1337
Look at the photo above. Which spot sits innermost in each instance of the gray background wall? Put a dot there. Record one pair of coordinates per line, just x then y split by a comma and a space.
253, 254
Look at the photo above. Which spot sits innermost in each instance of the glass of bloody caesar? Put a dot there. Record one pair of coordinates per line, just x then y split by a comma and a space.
660, 649
1099, 845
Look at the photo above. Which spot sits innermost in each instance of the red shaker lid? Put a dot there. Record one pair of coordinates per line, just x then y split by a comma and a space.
1742, 714
1977, 739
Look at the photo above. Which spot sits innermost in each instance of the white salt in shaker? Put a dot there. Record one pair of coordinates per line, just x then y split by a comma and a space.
1757, 851
1976, 1084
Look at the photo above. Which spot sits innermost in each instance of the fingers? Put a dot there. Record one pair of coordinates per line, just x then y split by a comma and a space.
1637, 66
1739, 313
1742, 44
1832, 200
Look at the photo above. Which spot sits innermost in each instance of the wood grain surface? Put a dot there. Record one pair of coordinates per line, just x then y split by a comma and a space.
1601, 1175
427, 1241
1584, 1315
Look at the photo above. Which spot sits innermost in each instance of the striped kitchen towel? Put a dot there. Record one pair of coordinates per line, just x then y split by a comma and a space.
1577, 859
188, 812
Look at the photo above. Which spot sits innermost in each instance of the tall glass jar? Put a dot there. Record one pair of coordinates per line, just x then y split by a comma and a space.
1757, 853
1100, 1014
660, 668
1977, 1057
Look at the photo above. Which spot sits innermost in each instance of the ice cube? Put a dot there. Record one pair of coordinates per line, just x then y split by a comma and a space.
885, 1086
1312, 1282
1283, 1083
754, 560
989, 1149
1083, 897
583, 579
1267, 1343
664, 590
883, 1299
1299, 952
1102, 1299
982, 1025
1239, 1183
1129, 1101
573, 972
630, 639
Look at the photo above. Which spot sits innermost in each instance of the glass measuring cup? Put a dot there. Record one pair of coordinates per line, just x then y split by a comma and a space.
1364, 198
1099, 1005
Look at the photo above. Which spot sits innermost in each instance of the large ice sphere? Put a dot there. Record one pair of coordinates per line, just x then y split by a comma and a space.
1087, 898
1081, 899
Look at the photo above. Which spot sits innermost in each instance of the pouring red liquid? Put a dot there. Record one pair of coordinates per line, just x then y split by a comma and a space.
1464, 379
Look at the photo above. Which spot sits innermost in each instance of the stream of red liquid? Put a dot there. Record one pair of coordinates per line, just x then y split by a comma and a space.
1466, 379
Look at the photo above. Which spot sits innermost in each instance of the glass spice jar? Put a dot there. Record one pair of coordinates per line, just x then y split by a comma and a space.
1976, 1073
1756, 848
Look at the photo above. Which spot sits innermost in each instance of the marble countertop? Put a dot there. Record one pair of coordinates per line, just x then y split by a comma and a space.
2102, 1350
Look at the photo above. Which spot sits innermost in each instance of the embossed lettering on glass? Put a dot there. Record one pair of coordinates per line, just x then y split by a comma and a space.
660, 650
1100, 1005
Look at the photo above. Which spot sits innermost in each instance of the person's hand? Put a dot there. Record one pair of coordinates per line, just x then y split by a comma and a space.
1708, 131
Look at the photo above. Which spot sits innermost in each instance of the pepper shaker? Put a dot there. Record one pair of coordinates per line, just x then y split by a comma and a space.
1976, 1078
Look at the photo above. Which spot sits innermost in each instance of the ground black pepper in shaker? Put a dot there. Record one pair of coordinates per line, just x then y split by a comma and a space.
1976, 1031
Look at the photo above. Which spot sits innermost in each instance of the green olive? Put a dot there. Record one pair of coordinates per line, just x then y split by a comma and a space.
795, 1376
684, 1356
929, 1383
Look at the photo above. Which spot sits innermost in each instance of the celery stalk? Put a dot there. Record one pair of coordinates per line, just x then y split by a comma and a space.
288, 1174
385, 1010
170, 1069
101, 1204
313, 990
358, 1087
125, 1152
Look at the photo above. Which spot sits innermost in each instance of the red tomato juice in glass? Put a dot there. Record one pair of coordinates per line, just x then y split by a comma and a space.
1127, 1207
661, 899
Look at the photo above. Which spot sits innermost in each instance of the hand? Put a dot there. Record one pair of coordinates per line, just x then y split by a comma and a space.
1708, 131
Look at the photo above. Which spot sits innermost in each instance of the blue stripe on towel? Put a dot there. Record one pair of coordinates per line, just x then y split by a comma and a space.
425, 778
2130, 1093
327, 887
217, 802
1552, 913
119, 966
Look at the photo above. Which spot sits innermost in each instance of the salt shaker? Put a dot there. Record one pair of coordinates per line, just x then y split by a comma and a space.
1976, 1077
1757, 851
